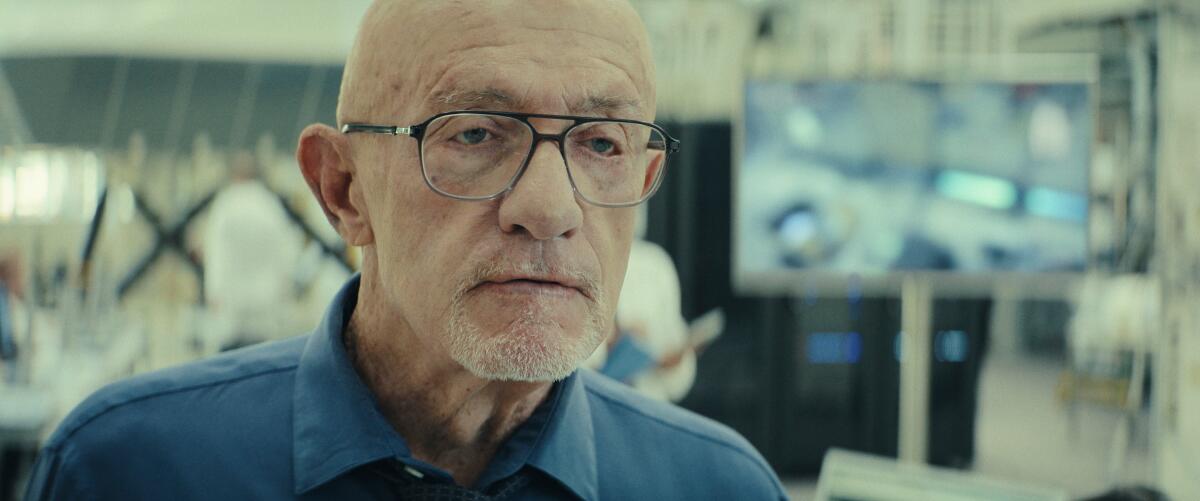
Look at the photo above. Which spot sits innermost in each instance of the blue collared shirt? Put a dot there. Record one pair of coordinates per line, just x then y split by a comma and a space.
293, 420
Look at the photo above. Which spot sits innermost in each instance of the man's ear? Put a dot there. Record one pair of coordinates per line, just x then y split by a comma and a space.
324, 157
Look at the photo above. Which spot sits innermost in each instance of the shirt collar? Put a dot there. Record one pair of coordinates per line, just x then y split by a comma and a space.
337, 425
567, 450
335, 421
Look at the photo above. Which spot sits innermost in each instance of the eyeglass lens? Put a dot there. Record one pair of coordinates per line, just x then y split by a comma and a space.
478, 155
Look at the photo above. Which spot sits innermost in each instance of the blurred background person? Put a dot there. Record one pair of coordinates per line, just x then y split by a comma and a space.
250, 253
11, 291
12, 314
652, 347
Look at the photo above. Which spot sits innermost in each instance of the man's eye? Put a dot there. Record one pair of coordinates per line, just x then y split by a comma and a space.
601, 146
472, 136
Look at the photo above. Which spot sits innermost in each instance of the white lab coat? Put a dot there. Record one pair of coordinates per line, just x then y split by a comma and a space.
650, 310
250, 254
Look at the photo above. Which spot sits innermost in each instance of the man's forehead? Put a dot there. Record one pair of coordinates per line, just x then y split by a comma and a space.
495, 98
413, 49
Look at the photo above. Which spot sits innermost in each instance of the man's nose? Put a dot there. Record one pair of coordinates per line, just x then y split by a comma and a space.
543, 202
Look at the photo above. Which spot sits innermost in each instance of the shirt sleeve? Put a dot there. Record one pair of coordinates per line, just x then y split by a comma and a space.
50, 479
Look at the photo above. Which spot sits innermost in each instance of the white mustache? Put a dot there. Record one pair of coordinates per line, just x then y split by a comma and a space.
495, 268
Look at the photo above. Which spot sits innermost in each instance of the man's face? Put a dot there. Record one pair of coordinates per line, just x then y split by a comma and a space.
522, 287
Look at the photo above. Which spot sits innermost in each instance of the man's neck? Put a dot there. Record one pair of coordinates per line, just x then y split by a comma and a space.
449, 417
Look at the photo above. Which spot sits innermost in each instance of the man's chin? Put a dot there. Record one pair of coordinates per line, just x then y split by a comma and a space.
496, 368
525, 351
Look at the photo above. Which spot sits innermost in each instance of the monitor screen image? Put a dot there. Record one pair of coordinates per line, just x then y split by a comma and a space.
882, 176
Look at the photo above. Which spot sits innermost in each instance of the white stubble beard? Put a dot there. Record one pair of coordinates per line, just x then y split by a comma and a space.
533, 348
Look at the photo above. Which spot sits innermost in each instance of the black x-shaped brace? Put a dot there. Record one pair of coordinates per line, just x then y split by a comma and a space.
172, 239
338, 253
166, 239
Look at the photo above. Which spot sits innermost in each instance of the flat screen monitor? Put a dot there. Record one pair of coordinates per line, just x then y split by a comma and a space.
877, 178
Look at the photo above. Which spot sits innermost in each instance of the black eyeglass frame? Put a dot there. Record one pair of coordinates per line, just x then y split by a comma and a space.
417, 132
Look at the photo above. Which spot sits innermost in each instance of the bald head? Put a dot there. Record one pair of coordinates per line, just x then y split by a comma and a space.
411, 56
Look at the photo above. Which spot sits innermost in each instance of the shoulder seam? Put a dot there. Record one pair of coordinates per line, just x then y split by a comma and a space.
109, 408
757, 461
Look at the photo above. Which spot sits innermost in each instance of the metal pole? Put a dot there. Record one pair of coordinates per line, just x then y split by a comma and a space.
312, 97
179, 107
916, 319
242, 115
13, 129
112, 108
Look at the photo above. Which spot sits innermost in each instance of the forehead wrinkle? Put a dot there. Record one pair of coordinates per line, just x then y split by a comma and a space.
488, 96
604, 104
626, 55
446, 92
499, 100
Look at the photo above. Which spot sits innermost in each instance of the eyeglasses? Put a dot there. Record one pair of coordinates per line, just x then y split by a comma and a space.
469, 155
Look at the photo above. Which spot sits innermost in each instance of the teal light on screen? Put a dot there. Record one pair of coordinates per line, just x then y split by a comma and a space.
1056, 204
989, 191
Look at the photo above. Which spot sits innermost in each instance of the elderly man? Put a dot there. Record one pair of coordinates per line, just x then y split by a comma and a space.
487, 163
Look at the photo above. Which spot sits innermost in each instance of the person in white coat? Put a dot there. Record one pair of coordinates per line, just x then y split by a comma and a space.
250, 253
649, 349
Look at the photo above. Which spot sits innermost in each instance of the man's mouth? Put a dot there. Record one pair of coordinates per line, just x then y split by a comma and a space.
536, 285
